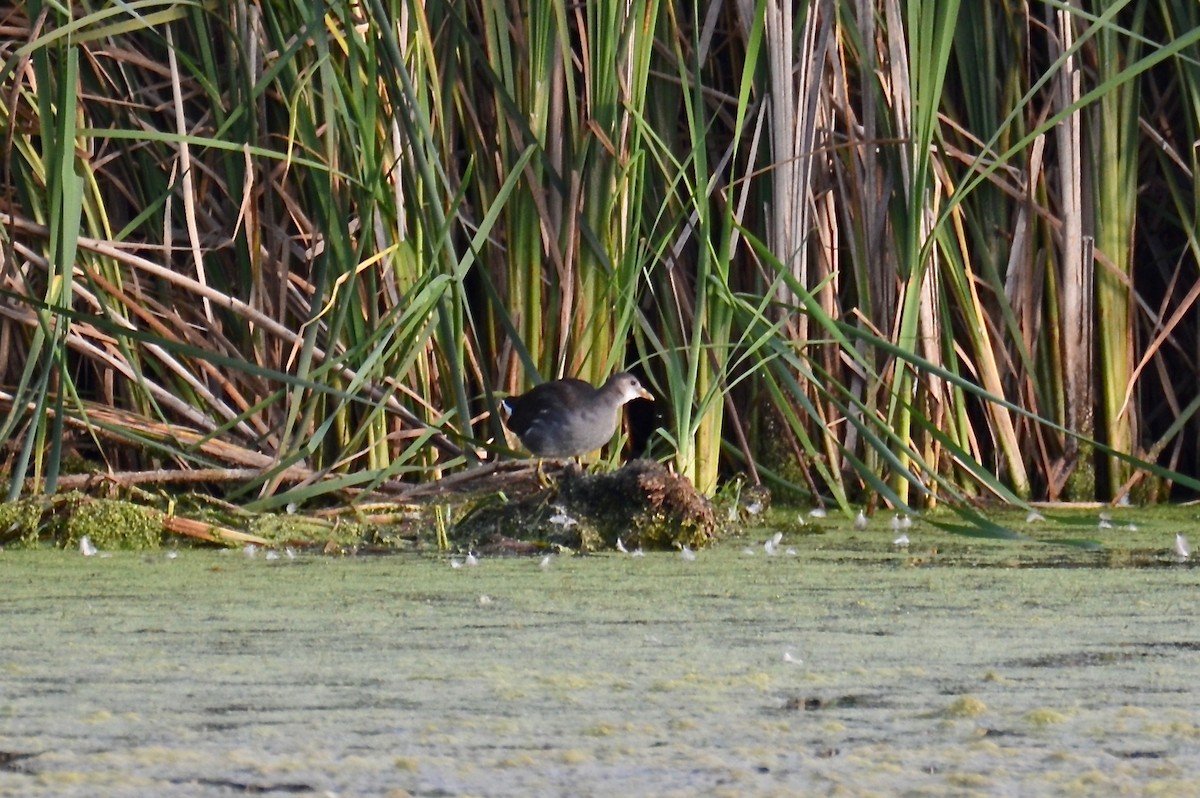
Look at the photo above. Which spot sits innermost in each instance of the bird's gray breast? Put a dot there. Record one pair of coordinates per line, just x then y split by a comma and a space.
555, 434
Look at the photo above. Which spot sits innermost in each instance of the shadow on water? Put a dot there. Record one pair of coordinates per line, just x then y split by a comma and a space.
844, 663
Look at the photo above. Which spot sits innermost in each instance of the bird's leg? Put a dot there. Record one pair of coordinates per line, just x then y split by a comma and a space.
543, 480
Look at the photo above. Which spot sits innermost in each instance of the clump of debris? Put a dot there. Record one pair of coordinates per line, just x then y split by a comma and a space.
642, 505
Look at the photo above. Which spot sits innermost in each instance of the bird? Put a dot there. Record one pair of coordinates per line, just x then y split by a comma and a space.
570, 417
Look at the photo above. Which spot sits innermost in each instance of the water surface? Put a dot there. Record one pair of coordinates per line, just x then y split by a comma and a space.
851, 668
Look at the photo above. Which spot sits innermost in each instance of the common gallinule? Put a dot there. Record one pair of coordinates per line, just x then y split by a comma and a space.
568, 418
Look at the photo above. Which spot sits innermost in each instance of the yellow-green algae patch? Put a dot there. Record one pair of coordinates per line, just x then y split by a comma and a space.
967, 706
1045, 716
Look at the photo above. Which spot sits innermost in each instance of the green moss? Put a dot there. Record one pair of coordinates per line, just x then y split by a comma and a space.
20, 522
653, 529
776, 452
111, 524
1081, 485
303, 530
66, 518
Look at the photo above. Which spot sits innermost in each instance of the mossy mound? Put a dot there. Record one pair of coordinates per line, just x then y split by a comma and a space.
112, 524
66, 518
20, 522
643, 505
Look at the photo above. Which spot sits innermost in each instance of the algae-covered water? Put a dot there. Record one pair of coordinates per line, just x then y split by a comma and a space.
849, 666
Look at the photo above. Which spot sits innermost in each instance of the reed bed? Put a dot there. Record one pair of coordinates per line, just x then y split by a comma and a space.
897, 252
